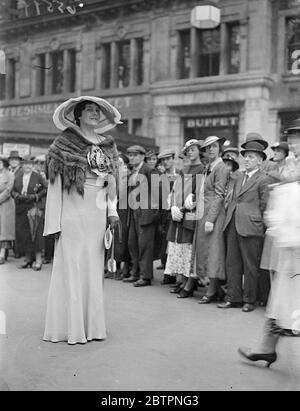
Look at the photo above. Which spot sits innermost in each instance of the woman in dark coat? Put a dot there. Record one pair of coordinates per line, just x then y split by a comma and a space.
209, 244
29, 192
181, 229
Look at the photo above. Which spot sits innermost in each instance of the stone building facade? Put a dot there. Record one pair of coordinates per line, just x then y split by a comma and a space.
171, 81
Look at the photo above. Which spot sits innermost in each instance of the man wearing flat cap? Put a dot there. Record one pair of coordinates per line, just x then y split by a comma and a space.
142, 218
168, 178
244, 227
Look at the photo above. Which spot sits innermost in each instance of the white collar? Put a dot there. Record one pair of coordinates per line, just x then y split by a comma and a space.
215, 163
251, 173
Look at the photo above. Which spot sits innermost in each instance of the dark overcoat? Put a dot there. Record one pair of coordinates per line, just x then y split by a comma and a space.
36, 193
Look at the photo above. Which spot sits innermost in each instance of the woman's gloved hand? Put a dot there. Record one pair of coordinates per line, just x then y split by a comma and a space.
177, 215
189, 203
113, 221
209, 227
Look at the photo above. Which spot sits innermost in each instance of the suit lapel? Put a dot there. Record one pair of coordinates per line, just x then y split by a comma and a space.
239, 183
250, 183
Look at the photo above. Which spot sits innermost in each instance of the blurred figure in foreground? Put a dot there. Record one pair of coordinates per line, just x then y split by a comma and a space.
283, 311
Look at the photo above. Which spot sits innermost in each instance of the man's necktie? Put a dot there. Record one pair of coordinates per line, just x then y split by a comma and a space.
246, 178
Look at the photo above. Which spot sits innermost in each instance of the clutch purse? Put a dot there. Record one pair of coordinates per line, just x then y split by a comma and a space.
108, 237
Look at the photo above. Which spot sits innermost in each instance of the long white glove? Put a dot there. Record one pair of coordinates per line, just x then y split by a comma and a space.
189, 203
176, 214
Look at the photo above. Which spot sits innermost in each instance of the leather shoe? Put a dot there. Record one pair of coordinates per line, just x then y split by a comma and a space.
228, 304
247, 308
168, 279
142, 283
130, 279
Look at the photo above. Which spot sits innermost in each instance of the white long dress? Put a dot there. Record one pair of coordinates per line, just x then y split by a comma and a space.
75, 310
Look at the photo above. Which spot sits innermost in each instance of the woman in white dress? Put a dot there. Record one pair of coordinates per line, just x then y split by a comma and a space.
81, 164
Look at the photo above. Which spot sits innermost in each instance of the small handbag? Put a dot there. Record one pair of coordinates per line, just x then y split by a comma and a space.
108, 238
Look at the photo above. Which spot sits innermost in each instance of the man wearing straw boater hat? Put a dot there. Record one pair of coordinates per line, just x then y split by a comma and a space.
244, 227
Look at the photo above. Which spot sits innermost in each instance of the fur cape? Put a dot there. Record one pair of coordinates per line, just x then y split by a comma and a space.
67, 156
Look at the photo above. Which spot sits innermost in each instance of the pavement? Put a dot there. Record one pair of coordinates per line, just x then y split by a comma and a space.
155, 342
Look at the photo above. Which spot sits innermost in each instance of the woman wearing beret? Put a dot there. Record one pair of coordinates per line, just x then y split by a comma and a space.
81, 165
7, 209
29, 192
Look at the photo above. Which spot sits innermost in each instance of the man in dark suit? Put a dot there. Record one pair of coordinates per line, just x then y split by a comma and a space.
29, 192
244, 227
143, 201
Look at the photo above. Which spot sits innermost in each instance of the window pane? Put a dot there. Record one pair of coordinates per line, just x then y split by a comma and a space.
209, 53
57, 70
184, 53
140, 62
40, 75
234, 48
292, 39
106, 58
137, 124
11, 78
72, 71
123, 64
2, 86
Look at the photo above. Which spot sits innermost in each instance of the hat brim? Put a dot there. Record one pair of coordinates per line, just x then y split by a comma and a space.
63, 116
236, 165
264, 143
165, 156
263, 155
220, 140
184, 150
18, 157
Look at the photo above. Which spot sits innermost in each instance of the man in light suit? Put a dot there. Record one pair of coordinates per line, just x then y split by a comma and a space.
244, 227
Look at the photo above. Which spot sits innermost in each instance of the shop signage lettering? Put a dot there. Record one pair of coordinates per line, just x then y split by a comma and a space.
205, 122
38, 7
27, 110
23, 149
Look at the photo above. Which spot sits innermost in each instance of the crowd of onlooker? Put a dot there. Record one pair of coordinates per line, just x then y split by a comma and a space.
212, 234
23, 189
205, 222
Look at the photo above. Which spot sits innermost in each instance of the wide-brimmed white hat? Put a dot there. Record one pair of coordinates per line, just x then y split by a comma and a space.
212, 139
63, 116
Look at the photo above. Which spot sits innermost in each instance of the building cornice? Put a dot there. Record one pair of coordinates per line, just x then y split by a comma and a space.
214, 83
91, 13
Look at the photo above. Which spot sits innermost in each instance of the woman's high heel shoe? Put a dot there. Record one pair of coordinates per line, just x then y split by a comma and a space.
268, 358
26, 264
185, 294
189, 293
177, 289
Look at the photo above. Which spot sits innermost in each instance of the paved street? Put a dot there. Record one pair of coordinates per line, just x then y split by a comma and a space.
155, 342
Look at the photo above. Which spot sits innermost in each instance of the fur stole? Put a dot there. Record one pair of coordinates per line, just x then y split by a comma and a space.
67, 156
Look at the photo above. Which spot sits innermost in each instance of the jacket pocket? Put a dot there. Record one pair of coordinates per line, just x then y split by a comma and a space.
256, 218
